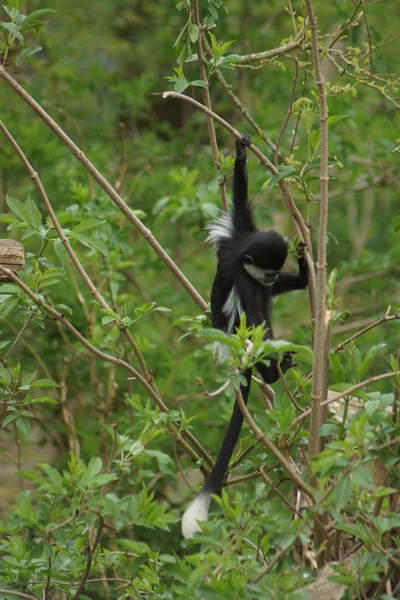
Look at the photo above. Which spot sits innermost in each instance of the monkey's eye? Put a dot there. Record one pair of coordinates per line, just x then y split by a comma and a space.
248, 260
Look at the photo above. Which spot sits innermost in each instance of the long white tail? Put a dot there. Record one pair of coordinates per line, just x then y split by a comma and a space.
196, 511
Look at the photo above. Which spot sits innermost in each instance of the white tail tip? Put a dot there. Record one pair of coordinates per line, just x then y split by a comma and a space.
196, 511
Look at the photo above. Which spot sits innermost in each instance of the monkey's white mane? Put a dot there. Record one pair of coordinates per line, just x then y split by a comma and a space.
220, 228
231, 309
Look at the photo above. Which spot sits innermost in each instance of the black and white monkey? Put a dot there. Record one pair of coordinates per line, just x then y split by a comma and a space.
248, 276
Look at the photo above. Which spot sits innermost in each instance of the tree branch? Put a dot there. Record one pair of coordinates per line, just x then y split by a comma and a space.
103, 183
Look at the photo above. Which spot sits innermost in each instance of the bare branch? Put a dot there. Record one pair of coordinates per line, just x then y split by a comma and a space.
207, 102
116, 360
103, 183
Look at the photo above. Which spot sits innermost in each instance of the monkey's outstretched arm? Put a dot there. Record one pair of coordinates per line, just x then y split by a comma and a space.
242, 217
288, 282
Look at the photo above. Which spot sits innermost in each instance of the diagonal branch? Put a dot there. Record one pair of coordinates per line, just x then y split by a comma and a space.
115, 360
103, 183
297, 217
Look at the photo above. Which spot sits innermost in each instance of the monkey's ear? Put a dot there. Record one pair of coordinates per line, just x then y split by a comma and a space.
248, 260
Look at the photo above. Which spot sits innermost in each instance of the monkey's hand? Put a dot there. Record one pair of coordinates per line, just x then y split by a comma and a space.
242, 144
301, 246
287, 362
246, 140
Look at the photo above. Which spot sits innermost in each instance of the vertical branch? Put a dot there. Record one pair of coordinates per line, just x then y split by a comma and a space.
320, 363
207, 102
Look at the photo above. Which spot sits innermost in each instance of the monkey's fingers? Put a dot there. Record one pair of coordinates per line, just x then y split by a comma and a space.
246, 140
301, 246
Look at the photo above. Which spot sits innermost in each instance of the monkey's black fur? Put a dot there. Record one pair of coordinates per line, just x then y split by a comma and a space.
248, 276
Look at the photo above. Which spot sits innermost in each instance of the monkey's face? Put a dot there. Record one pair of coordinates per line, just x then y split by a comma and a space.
264, 256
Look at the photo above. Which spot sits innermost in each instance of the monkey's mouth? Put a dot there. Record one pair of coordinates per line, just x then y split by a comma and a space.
270, 279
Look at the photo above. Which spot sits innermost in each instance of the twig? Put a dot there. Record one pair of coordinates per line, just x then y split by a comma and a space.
272, 448
295, 43
9, 592
297, 217
369, 38
90, 550
15, 342
97, 176
289, 111
344, 29
288, 392
216, 392
383, 319
75, 260
348, 392
59, 317
207, 102
277, 491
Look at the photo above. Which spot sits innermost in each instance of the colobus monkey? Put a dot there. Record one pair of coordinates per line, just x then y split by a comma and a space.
248, 276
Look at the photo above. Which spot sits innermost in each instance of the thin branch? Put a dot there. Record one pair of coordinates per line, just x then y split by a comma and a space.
90, 550
295, 43
60, 317
103, 183
301, 227
277, 491
320, 364
34, 175
289, 111
261, 437
9, 592
20, 334
348, 392
383, 319
371, 66
207, 102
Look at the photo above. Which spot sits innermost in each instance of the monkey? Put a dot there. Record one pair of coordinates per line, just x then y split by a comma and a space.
249, 274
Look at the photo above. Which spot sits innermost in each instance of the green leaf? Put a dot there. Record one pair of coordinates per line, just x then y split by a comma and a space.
216, 335
181, 85
94, 467
27, 379
86, 225
33, 215
29, 51
17, 207
342, 492
7, 304
38, 13
133, 546
23, 425
52, 474
199, 83
372, 406
60, 250
12, 28
44, 383
284, 172
9, 419
43, 400
335, 118
193, 32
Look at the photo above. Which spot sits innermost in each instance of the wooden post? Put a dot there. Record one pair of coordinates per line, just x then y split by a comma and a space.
12, 256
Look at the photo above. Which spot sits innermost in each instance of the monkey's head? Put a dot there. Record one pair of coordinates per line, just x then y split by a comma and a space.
264, 255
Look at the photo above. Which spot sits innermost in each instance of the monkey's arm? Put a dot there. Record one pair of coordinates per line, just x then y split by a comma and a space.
288, 282
242, 217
